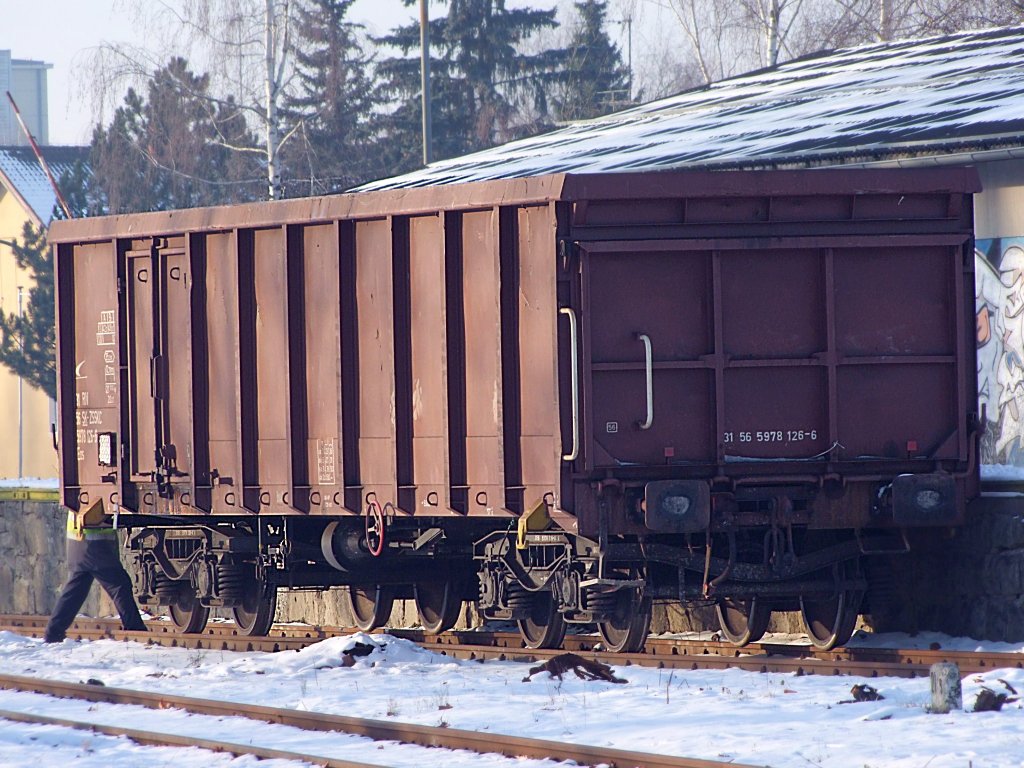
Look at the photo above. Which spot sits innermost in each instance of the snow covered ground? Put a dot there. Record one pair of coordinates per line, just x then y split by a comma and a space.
783, 721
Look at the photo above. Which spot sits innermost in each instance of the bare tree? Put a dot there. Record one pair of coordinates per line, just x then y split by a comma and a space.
773, 20
245, 46
647, 34
730, 36
886, 20
709, 26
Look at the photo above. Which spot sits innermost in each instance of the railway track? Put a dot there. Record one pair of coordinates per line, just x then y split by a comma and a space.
149, 738
378, 730
669, 653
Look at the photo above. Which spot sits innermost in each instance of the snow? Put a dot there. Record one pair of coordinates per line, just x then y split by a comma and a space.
21, 170
780, 720
942, 95
35, 483
1002, 473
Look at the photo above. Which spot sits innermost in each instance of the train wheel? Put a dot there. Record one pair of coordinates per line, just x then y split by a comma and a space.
743, 621
438, 604
626, 630
830, 621
544, 627
187, 613
370, 606
254, 614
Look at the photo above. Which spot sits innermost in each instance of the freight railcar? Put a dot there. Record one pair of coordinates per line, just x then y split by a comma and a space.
562, 397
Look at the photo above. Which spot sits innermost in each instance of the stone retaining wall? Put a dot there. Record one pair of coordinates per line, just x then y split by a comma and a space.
970, 582
32, 560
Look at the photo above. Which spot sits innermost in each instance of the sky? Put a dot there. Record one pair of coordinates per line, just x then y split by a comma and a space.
64, 32
781, 720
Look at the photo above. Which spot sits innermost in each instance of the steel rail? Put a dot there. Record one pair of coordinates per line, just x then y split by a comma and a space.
378, 730
660, 648
474, 644
153, 739
751, 663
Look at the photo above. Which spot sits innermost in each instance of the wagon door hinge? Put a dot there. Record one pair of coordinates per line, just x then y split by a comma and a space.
566, 251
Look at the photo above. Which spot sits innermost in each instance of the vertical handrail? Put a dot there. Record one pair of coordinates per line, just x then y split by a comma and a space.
649, 368
574, 352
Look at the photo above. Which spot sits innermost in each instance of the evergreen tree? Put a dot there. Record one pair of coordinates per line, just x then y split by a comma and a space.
27, 341
174, 149
596, 80
333, 100
485, 89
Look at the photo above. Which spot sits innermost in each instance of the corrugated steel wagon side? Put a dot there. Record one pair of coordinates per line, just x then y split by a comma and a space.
537, 393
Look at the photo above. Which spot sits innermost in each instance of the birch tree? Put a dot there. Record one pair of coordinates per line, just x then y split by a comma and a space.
732, 36
772, 20
739, 35
709, 27
246, 47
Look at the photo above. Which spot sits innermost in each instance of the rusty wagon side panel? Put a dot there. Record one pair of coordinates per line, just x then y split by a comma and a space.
260, 360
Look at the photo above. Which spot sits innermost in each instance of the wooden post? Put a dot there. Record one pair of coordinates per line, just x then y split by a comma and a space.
947, 693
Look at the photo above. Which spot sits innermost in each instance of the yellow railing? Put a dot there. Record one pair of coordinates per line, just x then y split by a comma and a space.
29, 494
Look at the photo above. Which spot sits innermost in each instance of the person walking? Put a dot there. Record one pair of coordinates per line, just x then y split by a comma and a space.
92, 554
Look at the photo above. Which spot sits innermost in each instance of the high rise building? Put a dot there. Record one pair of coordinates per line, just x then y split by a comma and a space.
26, 81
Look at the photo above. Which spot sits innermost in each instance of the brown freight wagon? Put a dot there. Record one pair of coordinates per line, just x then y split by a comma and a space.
563, 397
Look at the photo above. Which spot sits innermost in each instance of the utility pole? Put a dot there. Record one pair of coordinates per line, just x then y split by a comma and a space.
21, 392
627, 22
629, 55
425, 77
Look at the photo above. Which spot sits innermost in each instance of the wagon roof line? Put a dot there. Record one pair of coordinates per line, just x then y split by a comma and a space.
536, 190
511, 192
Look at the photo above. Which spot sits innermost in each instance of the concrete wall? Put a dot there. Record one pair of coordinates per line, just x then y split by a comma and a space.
32, 560
999, 208
32, 571
969, 582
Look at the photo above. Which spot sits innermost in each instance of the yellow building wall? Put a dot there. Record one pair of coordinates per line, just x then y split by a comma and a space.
33, 440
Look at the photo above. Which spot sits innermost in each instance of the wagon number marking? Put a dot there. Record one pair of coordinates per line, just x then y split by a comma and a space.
771, 436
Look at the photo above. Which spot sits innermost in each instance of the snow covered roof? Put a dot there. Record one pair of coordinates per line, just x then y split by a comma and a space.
21, 174
940, 95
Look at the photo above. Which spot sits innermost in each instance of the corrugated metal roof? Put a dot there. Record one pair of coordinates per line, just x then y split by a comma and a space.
20, 170
934, 96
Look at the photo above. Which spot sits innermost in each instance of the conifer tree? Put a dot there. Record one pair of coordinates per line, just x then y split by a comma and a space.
176, 148
596, 81
334, 99
27, 341
485, 88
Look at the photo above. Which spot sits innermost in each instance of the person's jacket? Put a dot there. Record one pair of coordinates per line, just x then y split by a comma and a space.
90, 524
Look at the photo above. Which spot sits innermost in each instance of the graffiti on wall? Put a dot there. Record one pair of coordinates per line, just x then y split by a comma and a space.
999, 307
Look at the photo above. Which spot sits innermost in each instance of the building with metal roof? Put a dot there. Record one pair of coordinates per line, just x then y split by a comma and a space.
26, 196
954, 99
23, 178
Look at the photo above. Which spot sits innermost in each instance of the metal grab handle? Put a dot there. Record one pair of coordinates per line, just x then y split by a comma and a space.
649, 368
574, 345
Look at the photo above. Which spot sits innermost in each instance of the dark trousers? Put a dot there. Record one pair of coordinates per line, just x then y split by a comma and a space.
88, 560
